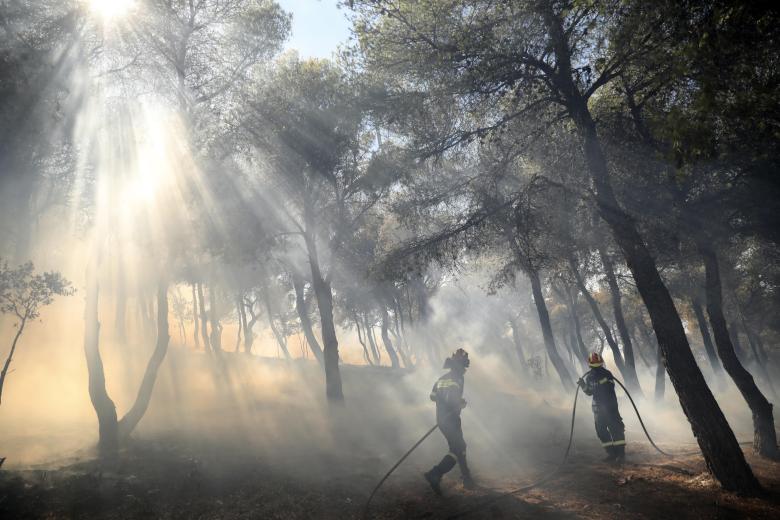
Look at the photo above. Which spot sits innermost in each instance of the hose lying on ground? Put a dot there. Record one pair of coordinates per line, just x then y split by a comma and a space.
376, 488
549, 476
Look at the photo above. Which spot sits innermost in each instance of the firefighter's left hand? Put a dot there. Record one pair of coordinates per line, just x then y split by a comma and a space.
463, 403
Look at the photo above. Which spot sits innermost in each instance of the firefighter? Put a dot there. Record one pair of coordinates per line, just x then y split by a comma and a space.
600, 383
448, 395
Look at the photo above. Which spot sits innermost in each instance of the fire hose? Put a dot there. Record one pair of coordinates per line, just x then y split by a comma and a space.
544, 479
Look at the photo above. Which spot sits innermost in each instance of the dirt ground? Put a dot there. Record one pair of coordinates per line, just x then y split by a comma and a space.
167, 478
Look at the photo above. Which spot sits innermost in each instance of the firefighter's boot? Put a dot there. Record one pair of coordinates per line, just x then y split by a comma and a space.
620, 455
434, 475
611, 454
434, 479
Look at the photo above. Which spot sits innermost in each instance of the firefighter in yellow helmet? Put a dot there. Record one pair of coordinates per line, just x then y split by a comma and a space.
599, 383
447, 393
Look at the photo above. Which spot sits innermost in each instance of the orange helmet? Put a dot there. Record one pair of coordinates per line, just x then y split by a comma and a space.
595, 360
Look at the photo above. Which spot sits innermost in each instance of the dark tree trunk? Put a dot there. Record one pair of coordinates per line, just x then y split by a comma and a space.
720, 448
241, 314
108, 440
136, 413
324, 295
196, 331
765, 437
709, 348
617, 309
594, 308
303, 314
547, 333
386, 339
7, 364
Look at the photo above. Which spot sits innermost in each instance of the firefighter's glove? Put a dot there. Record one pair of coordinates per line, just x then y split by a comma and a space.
462, 404
581, 383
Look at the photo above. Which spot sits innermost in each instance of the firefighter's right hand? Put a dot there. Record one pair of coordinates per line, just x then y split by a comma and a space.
581, 383
462, 404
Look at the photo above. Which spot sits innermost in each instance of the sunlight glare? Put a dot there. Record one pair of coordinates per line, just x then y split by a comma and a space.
111, 9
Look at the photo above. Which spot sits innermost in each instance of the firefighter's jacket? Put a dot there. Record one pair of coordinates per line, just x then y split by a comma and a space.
448, 395
600, 383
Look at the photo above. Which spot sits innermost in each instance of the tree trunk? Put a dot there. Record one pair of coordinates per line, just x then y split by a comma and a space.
549, 339
518, 342
660, 377
136, 413
204, 331
216, 327
594, 308
195, 332
709, 348
10, 357
720, 448
366, 356
369, 329
324, 295
386, 339
108, 440
241, 314
765, 437
303, 315
281, 339
571, 305
617, 309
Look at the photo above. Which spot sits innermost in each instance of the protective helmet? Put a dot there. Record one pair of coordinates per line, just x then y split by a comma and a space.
459, 359
595, 360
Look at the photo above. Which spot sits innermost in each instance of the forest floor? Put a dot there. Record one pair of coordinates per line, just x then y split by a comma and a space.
168, 478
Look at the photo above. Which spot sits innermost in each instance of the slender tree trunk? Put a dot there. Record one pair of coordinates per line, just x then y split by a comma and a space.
303, 315
242, 325
709, 348
594, 307
518, 342
22, 323
281, 339
765, 437
195, 332
547, 334
369, 329
366, 356
571, 305
204, 331
136, 413
249, 334
108, 443
617, 309
660, 377
324, 295
386, 339
216, 327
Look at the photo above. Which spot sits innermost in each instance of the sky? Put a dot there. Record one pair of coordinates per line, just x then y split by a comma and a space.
318, 26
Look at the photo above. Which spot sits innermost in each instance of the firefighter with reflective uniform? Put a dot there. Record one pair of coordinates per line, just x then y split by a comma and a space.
448, 395
599, 383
